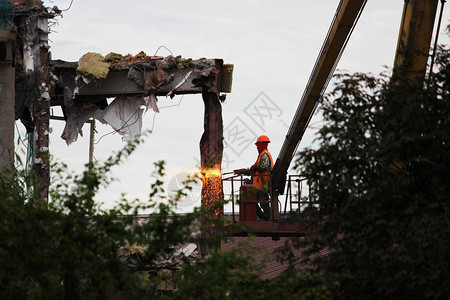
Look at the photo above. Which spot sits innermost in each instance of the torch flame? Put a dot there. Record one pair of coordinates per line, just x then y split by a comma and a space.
210, 172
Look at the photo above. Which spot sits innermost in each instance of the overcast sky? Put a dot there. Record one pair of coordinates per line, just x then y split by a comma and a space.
272, 44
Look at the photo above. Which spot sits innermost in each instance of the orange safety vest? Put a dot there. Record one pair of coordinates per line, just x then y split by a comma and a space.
260, 178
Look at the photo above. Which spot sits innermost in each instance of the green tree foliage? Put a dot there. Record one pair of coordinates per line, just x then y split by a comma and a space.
234, 275
381, 173
70, 247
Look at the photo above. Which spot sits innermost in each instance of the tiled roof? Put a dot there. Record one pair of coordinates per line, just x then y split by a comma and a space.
267, 257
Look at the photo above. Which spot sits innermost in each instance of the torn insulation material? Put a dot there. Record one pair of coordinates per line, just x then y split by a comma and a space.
124, 115
93, 65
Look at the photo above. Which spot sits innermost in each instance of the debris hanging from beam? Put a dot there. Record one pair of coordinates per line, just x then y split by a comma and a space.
81, 88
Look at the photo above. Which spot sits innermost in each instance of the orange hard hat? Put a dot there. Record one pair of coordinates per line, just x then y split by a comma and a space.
263, 139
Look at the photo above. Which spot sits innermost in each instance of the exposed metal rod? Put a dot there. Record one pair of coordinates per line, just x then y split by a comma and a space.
91, 142
91, 135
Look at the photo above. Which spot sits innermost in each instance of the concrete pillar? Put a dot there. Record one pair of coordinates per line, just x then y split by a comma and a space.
211, 152
7, 100
34, 38
7, 97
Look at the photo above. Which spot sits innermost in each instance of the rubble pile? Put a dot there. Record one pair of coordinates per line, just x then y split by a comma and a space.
165, 268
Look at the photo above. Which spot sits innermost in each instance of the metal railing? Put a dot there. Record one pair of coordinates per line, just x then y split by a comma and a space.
235, 182
298, 194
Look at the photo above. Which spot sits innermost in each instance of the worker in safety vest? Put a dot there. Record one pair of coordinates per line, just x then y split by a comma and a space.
260, 172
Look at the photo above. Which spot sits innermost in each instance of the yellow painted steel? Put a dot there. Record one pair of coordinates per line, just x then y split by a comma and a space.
414, 38
340, 30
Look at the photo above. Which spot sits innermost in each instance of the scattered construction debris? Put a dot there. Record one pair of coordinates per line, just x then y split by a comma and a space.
94, 66
166, 268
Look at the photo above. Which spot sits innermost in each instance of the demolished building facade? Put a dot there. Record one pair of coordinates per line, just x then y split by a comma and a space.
32, 83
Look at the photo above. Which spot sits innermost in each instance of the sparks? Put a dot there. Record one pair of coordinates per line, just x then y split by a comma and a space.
212, 192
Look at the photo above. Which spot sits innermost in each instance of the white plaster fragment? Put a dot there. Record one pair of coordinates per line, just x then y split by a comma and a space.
42, 25
45, 95
86, 80
28, 59
169, 94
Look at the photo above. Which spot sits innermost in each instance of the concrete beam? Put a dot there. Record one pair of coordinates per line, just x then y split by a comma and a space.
131, 80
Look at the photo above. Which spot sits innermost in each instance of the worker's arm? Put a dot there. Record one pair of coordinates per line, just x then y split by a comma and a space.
242, 172
264, 163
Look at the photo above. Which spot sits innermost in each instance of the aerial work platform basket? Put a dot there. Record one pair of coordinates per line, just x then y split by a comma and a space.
242, 198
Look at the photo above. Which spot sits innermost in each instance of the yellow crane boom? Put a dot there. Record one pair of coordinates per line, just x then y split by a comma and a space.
414, 37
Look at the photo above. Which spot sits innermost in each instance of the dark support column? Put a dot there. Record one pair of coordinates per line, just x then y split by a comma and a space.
211, 151
35, 67
7, 77
41, 116
7, 96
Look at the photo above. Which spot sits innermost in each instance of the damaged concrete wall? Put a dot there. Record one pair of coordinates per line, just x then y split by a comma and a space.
41, 105
32, 83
